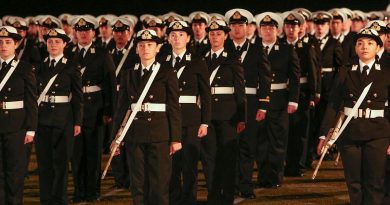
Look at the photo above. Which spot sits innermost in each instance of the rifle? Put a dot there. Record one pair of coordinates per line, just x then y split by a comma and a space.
115, 145
339, 128
329, 137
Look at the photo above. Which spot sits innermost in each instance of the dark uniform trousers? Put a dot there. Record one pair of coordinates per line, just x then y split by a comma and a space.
55, 128
21, 86
193, 81
364, 142
273, 137
87, 150
148, 139
331, 56
227, 111
257, 76
119, 163
300, 120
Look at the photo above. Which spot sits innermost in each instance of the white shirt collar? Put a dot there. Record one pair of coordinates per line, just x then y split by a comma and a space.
345, 33
236, 44
269, 46
250, 37
380, 52
370, 64
218, 52
323, 37
107, 40
148, 67
85, 47
200, 40
57, 59
7, 61
180, 55
338, 36
292, 43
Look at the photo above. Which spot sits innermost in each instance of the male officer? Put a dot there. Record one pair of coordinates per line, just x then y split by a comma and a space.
60, 118
380, 26
358, 21
228, 113
339, 18
18, 116
274, 130
105, 40
330, 52
98, 81
124, 56
299, 121
257, 85
194, 83
26, 50
199, 22
155, 132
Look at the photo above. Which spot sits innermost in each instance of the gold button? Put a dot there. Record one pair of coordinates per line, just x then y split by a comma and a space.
89, 98
272, 80
149, 119
5, 97
368, 101
216, 99
216, 85
6, 112
219, 77
273, 74
150, 96
135, 118
9, 89
375, 95
132, 97
181, 89
350, 95
52, 106
56, 85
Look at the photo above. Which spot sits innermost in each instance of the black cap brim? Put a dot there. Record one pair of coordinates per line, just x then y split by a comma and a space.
377, 39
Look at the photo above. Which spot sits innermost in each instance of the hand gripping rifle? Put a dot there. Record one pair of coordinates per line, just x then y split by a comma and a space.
115, 145
335, 133
329, 137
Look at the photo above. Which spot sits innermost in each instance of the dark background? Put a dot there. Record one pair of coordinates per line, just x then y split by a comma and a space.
137, 7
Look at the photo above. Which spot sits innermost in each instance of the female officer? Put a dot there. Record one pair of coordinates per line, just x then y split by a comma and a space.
59, 117
364, 142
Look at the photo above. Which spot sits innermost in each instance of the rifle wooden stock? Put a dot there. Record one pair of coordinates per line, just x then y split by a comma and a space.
330, 136
115, 144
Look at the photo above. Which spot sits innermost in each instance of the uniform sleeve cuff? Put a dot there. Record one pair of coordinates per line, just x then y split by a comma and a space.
322, 137
31, 133
204, 125
318, 95
263, 110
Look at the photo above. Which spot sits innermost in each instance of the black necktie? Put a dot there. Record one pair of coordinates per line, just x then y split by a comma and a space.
177, 61
364, 72
3, 65
238, 48
52, 63
266, 50
145, 73
81, 56
104, 44
214, 57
